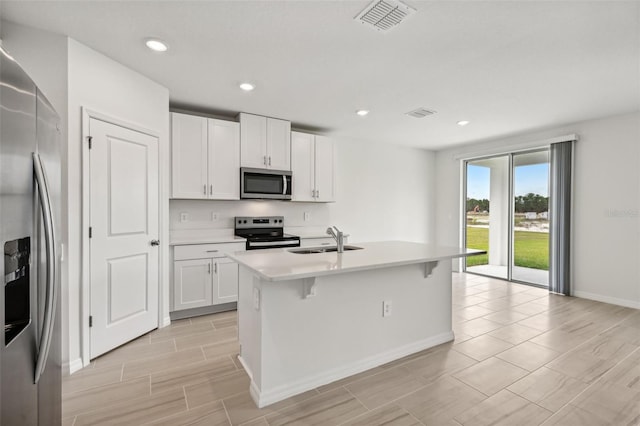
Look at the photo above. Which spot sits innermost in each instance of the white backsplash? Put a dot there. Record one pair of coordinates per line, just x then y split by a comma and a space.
207, 214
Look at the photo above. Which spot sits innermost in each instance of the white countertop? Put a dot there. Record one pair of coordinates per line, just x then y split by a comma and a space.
216, 236
203, 236
280, 264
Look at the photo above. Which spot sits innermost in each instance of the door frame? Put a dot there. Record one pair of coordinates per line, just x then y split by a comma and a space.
85, 284
511, 218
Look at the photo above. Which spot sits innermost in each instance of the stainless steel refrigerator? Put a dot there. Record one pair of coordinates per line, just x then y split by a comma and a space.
30, 185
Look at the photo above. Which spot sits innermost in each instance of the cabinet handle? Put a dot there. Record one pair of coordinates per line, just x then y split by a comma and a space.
264, 160
212, 251
269, 160
313, 193
204, 189
317, 193
211, 189
215, 266
209, 268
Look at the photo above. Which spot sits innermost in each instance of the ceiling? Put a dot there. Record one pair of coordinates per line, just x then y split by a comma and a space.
506, 66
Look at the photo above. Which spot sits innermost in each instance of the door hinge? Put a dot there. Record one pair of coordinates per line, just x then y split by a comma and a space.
90, 140
90, 232
90, 321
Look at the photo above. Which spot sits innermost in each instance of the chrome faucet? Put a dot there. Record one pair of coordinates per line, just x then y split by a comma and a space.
338, 236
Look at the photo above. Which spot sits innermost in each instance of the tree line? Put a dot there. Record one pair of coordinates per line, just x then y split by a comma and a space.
522, 204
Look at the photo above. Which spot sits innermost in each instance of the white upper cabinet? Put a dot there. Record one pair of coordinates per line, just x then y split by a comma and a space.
188, 156
224, 159
325, 173
265, 143
303, 167
253, 140
278, 144
205, 158
313, 170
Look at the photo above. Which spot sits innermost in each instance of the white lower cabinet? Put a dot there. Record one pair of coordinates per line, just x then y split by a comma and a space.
225, 281
204, 276
192, 284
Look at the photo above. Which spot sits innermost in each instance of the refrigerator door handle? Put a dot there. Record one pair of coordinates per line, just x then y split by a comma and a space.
50, 301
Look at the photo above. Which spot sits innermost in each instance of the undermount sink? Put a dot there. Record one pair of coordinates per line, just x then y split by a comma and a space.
322, 249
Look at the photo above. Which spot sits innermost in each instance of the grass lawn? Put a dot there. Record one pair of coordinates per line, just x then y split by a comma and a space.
531, 248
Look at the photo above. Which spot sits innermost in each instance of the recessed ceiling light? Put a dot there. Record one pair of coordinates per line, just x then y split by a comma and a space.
463, 123
362, 112
156, 45
247, 87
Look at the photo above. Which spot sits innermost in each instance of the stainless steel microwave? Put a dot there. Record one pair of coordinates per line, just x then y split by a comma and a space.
265, 184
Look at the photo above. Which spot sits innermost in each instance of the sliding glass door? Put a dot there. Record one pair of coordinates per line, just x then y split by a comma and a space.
506, 212
531, 217
487, 215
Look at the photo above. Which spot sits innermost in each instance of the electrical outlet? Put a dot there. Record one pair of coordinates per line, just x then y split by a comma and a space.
386, 308
184, 217
307, 216
214, 216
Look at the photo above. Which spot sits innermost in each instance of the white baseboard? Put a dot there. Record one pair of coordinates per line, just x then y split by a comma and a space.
165, 321
263, 398
608, 299
74, 365
246, 368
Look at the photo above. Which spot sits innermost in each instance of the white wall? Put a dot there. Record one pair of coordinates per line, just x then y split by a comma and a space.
606, 238
43, 56
383, 193
100, 84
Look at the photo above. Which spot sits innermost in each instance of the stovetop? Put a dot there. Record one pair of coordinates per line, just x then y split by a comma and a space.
263, 228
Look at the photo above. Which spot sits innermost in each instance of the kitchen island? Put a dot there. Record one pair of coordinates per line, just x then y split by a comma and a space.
308, 319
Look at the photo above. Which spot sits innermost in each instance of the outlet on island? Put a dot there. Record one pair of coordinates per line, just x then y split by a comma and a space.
184, 217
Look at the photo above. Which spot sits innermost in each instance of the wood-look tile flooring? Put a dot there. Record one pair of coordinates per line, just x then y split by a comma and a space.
521, 357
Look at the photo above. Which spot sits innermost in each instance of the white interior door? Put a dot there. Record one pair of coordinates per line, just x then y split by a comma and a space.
124, 221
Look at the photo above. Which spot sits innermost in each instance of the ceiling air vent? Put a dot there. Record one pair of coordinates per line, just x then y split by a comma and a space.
420, 113
384, 15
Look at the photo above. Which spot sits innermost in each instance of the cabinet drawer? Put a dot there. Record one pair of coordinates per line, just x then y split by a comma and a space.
203, 251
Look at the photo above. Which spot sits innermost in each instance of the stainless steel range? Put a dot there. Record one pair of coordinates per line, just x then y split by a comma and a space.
264, 232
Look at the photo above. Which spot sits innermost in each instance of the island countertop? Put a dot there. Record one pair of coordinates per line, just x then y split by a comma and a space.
280, 264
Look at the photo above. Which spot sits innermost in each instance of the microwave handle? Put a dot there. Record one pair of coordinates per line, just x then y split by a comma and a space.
284, 180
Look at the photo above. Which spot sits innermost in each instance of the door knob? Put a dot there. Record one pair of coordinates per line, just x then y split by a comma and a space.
155, 242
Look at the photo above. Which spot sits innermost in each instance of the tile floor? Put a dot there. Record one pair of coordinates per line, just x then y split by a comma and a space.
521, 357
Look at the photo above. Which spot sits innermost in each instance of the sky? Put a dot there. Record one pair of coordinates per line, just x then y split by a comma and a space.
531, 178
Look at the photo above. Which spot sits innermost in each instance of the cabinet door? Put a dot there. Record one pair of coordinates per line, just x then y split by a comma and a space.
278, 144
225, 284
224, 160
188, 156
253, 141
325, 169
302, 167
192, 281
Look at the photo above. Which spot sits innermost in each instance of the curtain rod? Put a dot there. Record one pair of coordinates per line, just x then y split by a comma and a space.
516, 148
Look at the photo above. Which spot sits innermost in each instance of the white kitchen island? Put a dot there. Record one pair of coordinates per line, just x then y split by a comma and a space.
306, 320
